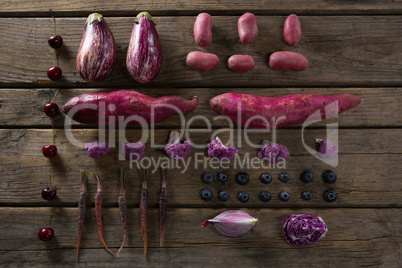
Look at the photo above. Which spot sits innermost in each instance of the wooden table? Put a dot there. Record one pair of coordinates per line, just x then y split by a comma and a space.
352, 47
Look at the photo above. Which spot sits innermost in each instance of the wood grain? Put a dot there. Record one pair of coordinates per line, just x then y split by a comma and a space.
380, 106
369, 167
342, 51
193, 7
355, 238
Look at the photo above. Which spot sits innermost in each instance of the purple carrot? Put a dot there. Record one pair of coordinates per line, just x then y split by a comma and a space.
162, 206
144, 207
81, 208
123, 208
98, 209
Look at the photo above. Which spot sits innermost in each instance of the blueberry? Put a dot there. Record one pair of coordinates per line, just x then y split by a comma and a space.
243, 178
223, 177
266, 178
223, 196
306, 195
330, 196
284, 177
265, 196
284, 196
243, 197
307, 176
207, 177
330, 176
206, 195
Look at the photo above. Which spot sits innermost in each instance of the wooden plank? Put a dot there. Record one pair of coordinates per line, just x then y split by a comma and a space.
380, 106
193, 7
356, 237
369, 167
342, 51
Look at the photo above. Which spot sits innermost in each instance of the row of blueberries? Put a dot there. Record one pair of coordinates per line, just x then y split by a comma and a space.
206, 194
243, 178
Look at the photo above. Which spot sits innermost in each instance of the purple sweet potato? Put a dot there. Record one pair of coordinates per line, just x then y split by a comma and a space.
241, 63
285, 60
283, 111
292, 30
201, 62
248, 28
102, 108
203, 29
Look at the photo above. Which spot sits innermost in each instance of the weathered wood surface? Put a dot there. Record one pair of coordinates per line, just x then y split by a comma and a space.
368, 169
380, 106
223, 7
355, 238
342, 51
352, 47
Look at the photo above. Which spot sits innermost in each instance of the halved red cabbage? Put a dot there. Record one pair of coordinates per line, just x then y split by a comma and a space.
302, 229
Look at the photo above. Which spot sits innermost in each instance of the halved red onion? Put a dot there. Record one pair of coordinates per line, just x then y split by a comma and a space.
232, 223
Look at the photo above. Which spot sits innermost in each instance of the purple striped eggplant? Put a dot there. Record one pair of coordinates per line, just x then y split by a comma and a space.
96, 56
144, 55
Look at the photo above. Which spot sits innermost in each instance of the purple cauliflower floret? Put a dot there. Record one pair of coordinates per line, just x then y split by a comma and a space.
273, 152
327, 149
302, 229
97, 149
133, 150
217, 150
176, 150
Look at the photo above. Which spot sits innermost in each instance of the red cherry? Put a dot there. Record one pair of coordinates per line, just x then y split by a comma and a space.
54, 73
49, 193
49, 151
51, 109
55, 41
46, 234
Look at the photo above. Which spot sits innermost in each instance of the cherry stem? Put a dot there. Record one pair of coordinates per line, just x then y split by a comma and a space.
54, 134
49, 221
50, 182
54, 25
54, 95
55, 59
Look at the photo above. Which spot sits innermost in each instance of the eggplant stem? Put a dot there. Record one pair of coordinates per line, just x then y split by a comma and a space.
144, 14
93, 17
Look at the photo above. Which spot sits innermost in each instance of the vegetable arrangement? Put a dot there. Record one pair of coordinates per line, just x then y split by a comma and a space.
95, 60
